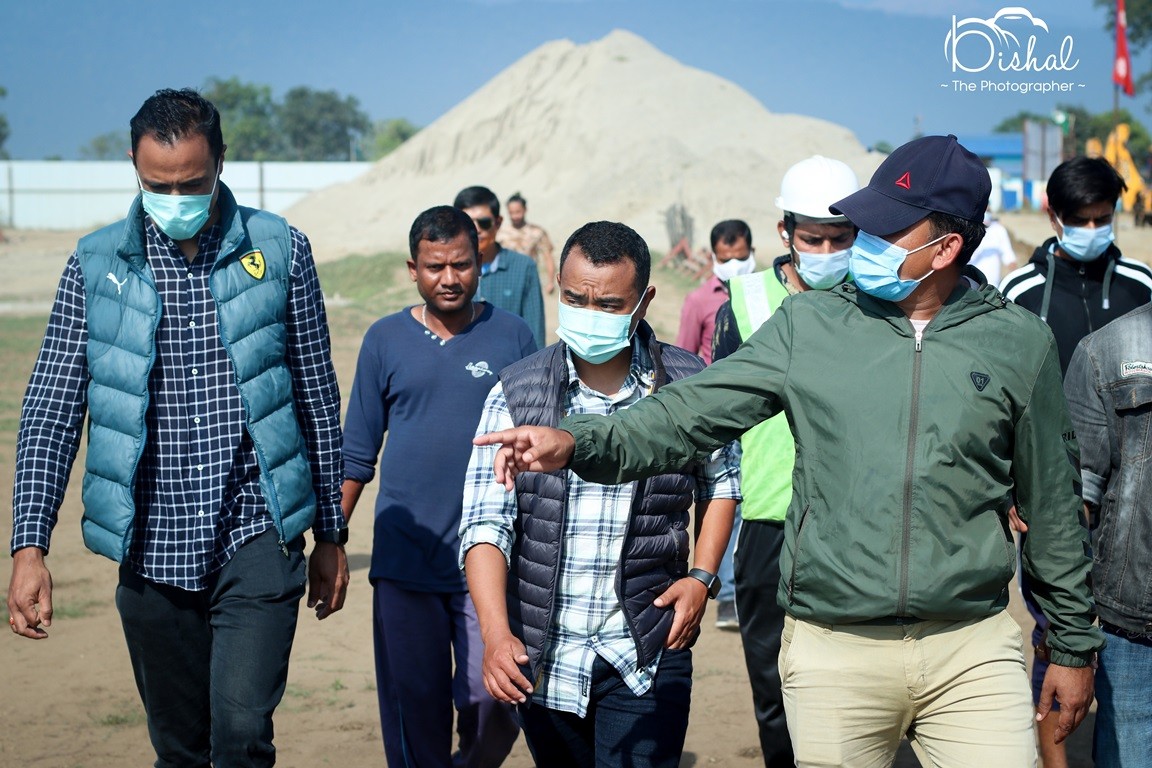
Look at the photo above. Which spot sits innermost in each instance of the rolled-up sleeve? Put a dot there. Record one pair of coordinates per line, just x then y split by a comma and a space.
489, 510
718, 477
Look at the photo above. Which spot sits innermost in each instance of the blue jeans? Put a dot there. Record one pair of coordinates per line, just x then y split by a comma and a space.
727, 572
621, 728
211, 666
1123, 732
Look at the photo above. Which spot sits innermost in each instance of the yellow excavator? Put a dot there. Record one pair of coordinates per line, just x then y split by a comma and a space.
1137, 197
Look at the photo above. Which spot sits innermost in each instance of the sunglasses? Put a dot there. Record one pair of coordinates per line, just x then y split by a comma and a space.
484, 223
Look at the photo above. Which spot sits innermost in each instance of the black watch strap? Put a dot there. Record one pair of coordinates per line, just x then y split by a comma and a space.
709, 580
332, 537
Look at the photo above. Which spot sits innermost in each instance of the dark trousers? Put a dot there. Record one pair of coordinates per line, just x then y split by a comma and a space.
761, 622
419, 638
211, 666
621, 729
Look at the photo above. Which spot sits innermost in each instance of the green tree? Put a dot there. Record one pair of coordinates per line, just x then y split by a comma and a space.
3, 128
321, 125
1139, 13
1015, 123
1077, 127
387, 135
248, 117
113, 145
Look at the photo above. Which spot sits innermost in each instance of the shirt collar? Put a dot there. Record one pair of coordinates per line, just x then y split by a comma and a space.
640, 373
494, 265
204, 241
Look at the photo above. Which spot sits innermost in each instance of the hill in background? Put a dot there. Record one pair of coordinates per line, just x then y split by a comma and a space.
614, 129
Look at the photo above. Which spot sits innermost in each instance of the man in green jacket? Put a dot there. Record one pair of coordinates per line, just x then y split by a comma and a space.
920, 402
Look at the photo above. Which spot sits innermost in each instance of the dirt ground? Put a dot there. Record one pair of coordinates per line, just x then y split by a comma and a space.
69, 701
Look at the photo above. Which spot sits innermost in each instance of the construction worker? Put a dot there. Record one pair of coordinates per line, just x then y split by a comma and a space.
818, 244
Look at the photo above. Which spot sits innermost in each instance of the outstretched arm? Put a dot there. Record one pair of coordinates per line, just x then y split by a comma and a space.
527, 449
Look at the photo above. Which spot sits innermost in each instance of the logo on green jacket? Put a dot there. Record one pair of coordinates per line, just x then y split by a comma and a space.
980, 380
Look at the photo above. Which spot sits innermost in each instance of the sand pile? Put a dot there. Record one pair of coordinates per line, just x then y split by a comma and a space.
614, 129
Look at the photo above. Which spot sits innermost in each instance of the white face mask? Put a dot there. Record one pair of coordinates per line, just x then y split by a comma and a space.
727, 270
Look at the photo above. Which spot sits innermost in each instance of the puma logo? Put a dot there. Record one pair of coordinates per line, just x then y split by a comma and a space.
117, 283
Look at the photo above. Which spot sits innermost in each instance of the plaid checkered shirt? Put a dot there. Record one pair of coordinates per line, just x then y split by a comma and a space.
587, 618
197, 491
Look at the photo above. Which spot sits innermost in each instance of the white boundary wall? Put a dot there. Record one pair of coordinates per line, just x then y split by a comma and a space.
45, 194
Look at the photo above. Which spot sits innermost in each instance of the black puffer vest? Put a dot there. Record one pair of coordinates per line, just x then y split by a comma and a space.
655, 551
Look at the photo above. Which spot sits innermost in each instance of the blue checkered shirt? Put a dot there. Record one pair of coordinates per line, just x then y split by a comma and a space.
197, 488
511, 283
587, 619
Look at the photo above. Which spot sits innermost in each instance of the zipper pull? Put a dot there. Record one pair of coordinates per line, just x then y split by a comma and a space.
919, 339
283, 548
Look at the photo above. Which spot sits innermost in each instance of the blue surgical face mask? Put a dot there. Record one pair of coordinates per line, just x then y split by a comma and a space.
822, 270
594, 336
178, 216
1085, 243
875, 265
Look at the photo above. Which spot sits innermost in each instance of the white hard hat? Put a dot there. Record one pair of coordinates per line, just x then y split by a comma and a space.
811, 185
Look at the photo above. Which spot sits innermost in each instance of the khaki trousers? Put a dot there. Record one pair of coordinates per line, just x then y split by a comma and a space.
957, 689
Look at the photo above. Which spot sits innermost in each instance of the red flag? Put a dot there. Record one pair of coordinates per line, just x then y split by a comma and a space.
1122, 66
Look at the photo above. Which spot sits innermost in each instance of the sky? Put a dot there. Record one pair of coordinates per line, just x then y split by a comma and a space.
884, 69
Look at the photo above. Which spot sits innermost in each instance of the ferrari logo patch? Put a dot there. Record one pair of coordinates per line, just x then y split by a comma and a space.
253, 262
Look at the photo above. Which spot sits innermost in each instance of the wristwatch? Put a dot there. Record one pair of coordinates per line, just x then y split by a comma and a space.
332, 537
709, 580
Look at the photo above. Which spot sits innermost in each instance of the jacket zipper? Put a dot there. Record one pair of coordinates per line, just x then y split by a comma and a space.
913, 422
1084, 300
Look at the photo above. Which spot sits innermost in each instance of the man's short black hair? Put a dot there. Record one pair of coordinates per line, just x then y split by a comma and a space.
947, 224
439, 225
170, 115
729, 231
610, 242
517, 198
470, 197
1083, 181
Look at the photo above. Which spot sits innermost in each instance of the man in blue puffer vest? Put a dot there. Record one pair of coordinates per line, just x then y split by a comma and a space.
586, 603
193, 335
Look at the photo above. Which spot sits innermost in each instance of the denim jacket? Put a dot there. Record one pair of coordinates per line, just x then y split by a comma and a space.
1109, 391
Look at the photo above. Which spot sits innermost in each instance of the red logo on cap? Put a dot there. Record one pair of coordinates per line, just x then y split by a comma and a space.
905, 181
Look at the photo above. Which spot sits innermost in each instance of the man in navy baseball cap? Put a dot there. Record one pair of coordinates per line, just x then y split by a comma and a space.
922, 403
932, 174
920, 215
